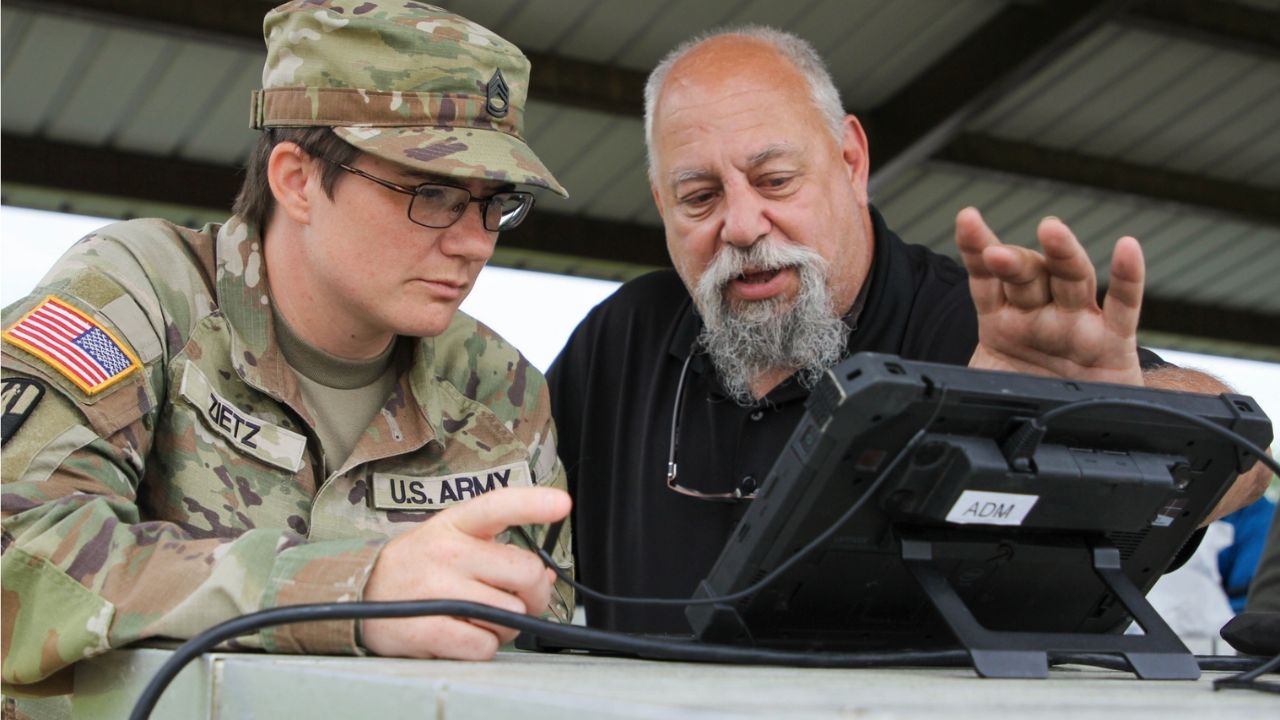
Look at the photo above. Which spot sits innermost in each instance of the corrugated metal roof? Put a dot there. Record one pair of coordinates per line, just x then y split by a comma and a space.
1155, 100
1127, 91
1214, 260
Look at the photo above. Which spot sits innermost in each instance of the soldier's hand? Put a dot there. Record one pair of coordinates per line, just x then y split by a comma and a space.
453, 556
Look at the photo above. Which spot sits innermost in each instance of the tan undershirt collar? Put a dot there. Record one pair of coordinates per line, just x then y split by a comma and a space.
324, 368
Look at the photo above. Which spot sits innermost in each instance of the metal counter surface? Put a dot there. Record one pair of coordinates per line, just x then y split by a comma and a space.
527, 686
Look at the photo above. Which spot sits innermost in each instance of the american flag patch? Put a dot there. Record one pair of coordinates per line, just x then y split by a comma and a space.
73, 344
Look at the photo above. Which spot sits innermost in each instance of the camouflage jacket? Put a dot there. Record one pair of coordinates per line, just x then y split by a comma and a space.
190, 488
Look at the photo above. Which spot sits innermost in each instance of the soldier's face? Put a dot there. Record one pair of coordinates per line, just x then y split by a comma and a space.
741, 154
388, 273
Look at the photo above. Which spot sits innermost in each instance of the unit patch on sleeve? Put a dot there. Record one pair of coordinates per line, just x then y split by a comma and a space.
74, 344
20, 397
404, 492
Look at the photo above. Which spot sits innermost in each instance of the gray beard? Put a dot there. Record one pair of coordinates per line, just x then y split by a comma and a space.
804, 333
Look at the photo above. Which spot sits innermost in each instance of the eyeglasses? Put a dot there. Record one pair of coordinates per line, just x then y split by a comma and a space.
673, 469
436, 205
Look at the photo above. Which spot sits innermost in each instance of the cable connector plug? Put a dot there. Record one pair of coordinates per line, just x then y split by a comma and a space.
1021, 445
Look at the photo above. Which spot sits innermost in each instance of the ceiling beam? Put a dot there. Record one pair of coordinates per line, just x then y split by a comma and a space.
922, 120
103, 171
555, 79
990, 62
590, 238
183, 182
1010, 47
993, 154
178, 181
921, 117
1231, 25
234, 23
1203, 321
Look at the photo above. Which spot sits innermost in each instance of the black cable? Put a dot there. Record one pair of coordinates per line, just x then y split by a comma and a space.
777, 572
753, 588
1038, 426
638, 645
666, 648
653, 648
1248, 680
645, 647
1229, 663
1230, 435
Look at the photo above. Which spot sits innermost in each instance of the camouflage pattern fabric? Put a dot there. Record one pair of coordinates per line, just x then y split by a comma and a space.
192, 491
406, 82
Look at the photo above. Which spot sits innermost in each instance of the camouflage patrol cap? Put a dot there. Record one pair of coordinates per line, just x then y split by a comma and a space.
403, 81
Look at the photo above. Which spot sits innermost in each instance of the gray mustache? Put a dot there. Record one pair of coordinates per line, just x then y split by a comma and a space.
766, 255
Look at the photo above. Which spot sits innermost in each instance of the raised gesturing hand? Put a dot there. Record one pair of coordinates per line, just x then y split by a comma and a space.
1038, 312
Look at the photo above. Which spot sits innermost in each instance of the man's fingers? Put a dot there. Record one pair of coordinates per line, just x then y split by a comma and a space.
1123, 303
973, 237
1039, 312
1021, 274
1025, 278
489, 514
1072, 280
1013, 264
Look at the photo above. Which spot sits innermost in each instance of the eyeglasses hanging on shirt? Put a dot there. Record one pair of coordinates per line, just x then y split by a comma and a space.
745, 490
739, 493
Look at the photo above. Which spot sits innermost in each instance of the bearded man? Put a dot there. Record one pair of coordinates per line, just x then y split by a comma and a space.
675, 396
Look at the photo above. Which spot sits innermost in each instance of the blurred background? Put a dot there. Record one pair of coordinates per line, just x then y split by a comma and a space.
1153, 118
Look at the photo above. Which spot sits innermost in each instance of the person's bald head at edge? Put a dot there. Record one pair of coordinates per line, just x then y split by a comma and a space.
761, 181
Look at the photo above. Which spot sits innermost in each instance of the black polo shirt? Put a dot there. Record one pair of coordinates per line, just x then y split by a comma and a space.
613, 388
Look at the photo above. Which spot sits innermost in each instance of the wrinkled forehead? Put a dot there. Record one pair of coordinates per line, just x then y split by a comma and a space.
751, 107
758, 131
688, 170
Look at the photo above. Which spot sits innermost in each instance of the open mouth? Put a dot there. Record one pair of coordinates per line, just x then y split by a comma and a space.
760, 284
757, 277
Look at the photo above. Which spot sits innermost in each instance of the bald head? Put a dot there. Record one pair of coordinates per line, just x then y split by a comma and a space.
761, 184
722, 56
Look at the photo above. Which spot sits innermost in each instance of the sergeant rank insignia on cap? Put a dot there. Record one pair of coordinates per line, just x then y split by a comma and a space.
498, 95
74, 344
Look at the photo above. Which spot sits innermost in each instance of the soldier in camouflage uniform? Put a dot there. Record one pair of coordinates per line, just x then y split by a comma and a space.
204, 423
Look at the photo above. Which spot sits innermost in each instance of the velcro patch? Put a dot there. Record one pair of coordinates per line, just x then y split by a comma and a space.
74, 344
269, 443
407, 492
20, 397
